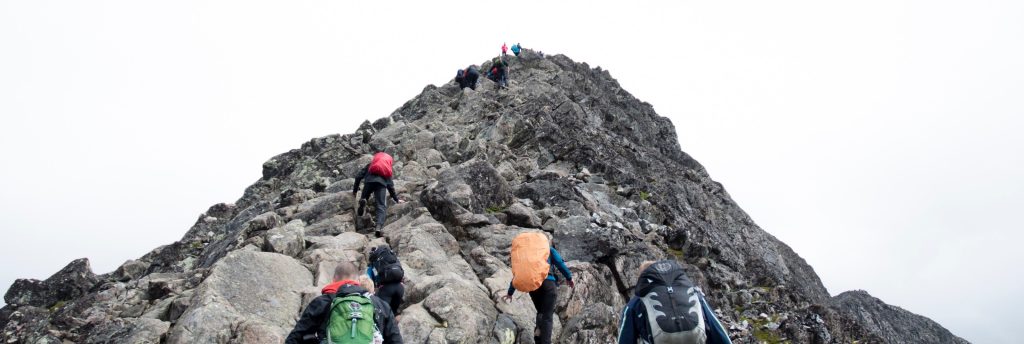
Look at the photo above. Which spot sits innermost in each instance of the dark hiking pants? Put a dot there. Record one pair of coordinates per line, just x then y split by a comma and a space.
392, 293
544, 299
380, 193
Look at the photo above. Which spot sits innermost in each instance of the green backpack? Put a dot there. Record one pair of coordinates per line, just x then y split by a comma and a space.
351, 320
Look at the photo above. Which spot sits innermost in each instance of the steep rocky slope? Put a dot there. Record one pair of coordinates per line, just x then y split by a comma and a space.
891, 323
563, 149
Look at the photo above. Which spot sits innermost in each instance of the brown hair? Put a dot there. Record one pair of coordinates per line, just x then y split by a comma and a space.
646, 264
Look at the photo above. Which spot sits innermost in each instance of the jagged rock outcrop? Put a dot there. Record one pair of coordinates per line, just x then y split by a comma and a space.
563, 149
890, 323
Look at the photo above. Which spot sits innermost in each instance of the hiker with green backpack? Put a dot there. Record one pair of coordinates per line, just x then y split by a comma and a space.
346, 313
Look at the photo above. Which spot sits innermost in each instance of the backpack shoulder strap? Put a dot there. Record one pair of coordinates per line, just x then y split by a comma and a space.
327, 316
378, 310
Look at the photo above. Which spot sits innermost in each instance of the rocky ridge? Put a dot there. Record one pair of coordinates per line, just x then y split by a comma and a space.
564, 149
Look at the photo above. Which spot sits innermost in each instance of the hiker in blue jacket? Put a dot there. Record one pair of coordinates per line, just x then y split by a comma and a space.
636, 323
546, 297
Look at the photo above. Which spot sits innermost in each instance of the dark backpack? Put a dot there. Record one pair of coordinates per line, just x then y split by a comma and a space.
385, 265
672, 303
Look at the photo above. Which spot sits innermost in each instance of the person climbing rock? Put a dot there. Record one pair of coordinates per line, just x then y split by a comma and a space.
376, 177
387, 274
467, 77
664, 283
472, 75
504, 49
460, 78
499, 72
503, 73
533, 262
516, 49
346, 313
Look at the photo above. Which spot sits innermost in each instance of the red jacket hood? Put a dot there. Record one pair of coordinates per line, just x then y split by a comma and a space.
333, 287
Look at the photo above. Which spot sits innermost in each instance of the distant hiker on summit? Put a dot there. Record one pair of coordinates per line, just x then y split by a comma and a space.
377, 176
499, 72
516, 49
346, 313
668, 308
504, 49
533, 264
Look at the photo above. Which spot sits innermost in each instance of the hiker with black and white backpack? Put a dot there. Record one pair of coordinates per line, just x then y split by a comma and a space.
387, 275
668, 308
346, 313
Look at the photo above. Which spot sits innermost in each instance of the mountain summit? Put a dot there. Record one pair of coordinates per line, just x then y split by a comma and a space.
563, 149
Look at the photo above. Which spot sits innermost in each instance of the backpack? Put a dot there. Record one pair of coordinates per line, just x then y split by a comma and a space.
351, 320
386, 266
530, 267
672, 303
381, 165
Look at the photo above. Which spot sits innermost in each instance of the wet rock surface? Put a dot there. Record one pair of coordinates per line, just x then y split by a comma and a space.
563, 149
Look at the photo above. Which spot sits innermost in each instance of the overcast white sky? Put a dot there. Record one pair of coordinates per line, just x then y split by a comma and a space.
880, 139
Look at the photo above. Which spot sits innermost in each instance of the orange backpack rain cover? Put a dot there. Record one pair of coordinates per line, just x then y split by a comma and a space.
530, 251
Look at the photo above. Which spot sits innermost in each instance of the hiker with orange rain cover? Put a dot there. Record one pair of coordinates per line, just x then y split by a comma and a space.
533, 262
377, 175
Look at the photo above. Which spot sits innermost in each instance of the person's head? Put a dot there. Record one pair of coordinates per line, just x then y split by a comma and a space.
366, 282
646, 264
346, 271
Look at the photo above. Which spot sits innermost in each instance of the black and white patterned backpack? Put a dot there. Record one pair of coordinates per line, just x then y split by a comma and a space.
672, 303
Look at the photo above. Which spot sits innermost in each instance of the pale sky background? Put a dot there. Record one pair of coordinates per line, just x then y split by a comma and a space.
880, 139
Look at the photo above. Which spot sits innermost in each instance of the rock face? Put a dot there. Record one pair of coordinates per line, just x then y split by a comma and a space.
563, 149
891, 323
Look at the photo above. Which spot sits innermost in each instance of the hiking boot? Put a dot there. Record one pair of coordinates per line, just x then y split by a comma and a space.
362, 207
377, 232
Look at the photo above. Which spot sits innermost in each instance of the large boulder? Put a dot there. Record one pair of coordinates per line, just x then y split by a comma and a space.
288, 240
73, 281
473, 187
262, 289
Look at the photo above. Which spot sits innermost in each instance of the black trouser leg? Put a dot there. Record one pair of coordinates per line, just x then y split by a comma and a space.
381, 194
544, 299
367, 190
393, 294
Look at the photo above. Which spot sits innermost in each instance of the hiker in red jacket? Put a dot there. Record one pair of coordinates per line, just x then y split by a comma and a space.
376, 177
504, 49
313, 324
